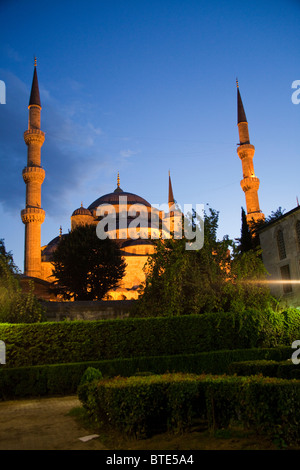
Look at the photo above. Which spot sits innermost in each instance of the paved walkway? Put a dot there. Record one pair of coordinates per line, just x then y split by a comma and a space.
43, 424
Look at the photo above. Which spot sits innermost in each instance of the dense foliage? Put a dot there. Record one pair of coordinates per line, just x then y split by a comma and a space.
219, 277
53, 379
85, 266
267, 368
146, 405
246, 241
58, 342
16, 306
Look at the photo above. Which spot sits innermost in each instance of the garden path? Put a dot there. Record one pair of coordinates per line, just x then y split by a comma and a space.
43, 424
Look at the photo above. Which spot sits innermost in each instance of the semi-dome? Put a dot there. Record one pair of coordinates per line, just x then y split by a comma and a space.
49, 249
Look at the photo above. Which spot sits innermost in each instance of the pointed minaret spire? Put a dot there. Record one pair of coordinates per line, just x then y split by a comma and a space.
174, 217
240, 107
249, 183
35, 93
171, 196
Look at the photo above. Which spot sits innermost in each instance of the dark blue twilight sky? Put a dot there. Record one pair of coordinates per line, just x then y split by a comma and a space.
144, 87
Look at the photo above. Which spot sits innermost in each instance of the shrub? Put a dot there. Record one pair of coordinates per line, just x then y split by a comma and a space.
91, 374
150, 404
267, 368
270, 406
185, 401
54, 379
136, 405
17, 306
58, 379
78, 341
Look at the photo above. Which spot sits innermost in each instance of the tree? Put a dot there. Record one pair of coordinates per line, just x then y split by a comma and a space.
275, 215
247, 287
254, 227
7, 258
218, 277
181, 281
16, 306
246, 241
86, 267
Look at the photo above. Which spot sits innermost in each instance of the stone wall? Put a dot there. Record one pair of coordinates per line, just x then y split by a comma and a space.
88, 310
288, 294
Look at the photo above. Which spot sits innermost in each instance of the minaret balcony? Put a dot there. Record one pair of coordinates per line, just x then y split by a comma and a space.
34, 136
33, 174
245, 150
250, 183
33, 214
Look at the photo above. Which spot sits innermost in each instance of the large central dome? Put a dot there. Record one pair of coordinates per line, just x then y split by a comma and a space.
113, 199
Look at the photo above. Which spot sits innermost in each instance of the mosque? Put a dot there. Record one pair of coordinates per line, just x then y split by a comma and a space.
37, 258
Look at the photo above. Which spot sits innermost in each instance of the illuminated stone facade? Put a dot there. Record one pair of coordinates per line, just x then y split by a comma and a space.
134, 210
280, 243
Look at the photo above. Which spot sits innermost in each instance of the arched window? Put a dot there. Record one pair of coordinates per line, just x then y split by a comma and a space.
286, 276
298, 232
281, 245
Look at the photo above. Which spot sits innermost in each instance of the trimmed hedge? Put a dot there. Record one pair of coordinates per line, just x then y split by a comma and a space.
78, 341
60, 379
281, 369
148, 405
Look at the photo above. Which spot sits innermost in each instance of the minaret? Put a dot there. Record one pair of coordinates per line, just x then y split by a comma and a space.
171, 201
33, 175
249, 183
174, 216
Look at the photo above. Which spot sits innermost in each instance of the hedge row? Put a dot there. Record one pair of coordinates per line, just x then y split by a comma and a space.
144, 406
60, 379
281, 369
61, 342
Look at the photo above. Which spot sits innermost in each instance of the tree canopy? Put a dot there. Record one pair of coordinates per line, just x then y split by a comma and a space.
217, 277
246, 241
86, 267
6, 258
16, 306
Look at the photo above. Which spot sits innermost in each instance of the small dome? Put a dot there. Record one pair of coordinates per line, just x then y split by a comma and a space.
81, 211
